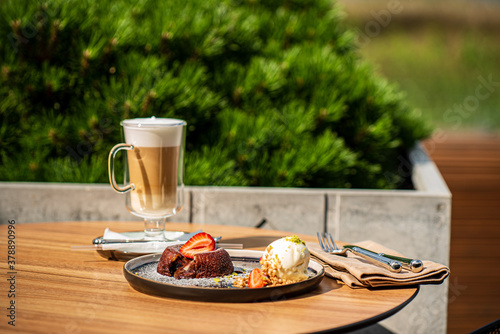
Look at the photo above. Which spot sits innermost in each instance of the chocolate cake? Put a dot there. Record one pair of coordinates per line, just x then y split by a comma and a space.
171, 260
204, 265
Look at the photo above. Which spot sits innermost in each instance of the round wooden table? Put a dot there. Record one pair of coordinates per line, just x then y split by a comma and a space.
59, 290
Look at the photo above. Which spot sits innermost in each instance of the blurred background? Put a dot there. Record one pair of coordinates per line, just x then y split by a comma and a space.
444, 55
437, 51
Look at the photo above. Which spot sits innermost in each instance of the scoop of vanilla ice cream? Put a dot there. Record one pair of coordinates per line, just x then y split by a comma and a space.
289, 257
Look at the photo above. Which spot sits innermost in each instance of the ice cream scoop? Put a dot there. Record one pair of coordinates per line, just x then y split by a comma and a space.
287, 259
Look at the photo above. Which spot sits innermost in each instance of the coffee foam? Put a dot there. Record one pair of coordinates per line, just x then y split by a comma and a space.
153, 132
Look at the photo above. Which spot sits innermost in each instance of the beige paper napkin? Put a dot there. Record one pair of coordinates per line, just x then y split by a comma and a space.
357, 272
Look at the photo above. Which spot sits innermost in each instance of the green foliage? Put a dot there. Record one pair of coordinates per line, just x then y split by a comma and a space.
273, 92
456, 58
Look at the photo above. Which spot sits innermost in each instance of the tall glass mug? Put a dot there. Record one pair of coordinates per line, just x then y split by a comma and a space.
154, 170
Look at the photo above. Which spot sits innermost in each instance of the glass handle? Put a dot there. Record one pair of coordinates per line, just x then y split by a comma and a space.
111, 167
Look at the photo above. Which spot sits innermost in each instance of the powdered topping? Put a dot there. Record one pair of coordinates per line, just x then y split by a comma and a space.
295, 239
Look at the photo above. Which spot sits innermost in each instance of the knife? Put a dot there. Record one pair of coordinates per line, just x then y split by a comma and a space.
413, 265
101, 241
124, 246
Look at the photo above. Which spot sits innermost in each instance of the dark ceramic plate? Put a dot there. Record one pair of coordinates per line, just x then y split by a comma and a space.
141, 274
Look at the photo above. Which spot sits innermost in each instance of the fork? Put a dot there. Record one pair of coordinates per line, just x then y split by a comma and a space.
328, 245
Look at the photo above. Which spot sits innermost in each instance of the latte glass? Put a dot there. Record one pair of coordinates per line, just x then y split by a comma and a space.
154, 170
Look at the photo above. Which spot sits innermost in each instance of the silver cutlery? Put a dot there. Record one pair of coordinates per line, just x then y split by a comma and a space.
328, 245
116, 244
121, 246
413, 265
101, 241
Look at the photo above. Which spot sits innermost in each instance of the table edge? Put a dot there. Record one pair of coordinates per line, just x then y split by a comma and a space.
373, 320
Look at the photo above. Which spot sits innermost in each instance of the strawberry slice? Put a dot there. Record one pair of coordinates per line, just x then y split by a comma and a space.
198, 243
256, 280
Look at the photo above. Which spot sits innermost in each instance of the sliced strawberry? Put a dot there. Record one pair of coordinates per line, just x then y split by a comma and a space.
201, 242
256, 280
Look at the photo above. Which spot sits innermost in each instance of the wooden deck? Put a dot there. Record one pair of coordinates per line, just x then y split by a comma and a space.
470, 165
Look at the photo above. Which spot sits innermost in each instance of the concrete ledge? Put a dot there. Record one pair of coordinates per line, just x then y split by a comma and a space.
425, 174
295, 210
416, 222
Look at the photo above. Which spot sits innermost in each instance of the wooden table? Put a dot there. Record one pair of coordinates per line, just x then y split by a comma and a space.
58, 290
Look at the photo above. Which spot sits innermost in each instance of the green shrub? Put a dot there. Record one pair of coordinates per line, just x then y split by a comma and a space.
274, 92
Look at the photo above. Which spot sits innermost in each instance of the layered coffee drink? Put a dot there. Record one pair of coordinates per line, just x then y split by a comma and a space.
153, 165
154, 179
153, 171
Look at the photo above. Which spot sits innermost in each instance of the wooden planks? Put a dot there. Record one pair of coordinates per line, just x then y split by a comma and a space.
470, 165
60, 291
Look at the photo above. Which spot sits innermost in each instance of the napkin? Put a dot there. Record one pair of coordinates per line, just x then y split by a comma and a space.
357, 272
177, 237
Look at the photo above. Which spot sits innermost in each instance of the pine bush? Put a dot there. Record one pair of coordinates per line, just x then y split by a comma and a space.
274, 92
